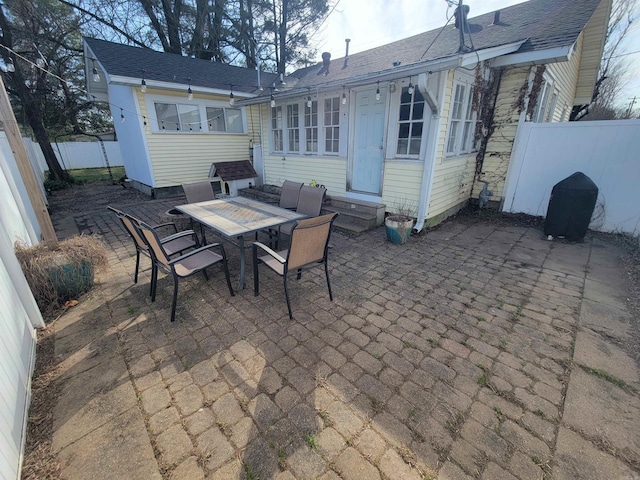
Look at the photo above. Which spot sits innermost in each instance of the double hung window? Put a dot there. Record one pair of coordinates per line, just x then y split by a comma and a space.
462, 121
276, 128
311, 127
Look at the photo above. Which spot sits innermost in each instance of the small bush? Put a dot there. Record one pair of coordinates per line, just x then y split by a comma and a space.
56, 276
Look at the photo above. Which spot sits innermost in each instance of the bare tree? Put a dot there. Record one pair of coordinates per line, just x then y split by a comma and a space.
612, 74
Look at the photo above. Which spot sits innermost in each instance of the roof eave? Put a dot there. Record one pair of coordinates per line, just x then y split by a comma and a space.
365, 79
535, 57
174, 87
444, 63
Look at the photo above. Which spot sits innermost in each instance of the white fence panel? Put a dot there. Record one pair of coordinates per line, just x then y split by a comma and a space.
87, 154
605, 151
18, 317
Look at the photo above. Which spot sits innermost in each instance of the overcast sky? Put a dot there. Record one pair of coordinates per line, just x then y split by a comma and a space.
371, 23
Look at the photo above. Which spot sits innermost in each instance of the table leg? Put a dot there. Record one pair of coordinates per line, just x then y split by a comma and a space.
242, 261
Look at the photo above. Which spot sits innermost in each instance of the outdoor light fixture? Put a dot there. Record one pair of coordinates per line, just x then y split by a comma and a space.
273, 99
189, 91
309, 102
143, 84
232, 100
378, 91
410, 87
344, 96
96, 75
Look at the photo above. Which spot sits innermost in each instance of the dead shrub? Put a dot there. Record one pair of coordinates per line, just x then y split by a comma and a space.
58, 275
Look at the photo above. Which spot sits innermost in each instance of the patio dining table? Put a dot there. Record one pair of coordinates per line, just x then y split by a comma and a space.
234, 217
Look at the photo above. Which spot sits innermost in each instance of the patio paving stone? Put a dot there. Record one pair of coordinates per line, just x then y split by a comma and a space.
456, 356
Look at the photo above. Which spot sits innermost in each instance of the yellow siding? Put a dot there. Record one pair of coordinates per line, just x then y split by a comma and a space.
328, 171
402, 181
500, 144
181, 158
593, 34
565, 76
453, 176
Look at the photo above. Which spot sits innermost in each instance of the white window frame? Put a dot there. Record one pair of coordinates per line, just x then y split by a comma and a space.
310, 128
410, 121
303, 129
293, 127
197, 128
461, 129
547, 99
275, 127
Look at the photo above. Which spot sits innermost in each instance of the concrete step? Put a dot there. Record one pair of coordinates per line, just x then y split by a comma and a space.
356, 216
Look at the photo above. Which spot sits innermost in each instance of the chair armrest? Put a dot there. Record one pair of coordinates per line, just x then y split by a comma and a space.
175, 229
271, 252
197, 250
184, 233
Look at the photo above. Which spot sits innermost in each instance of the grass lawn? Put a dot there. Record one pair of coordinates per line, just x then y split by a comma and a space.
88, 175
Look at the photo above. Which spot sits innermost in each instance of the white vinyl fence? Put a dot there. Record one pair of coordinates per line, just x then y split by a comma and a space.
72, 155
608, 152
19, 316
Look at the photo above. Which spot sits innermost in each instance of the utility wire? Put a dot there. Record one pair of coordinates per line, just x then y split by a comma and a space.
436, 37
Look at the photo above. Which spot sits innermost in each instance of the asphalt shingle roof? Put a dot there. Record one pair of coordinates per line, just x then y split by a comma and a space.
127, 61
541, 24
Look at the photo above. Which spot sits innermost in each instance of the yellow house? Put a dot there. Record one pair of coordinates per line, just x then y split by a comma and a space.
421, 124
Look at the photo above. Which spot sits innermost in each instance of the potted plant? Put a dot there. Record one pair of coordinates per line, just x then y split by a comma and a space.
399, 224
64, 273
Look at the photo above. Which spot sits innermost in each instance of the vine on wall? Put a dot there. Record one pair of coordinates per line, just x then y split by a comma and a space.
484, 101
538, 79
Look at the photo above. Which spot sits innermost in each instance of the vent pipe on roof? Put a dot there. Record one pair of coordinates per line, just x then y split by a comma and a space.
346, 54
496, 18
259, 82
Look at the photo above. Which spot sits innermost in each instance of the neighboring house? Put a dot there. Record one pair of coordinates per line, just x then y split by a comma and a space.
423, 121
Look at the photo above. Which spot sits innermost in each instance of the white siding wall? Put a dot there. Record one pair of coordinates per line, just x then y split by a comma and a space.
130, 133
605, 151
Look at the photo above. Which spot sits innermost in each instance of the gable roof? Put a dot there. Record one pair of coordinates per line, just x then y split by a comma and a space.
229, 171
135, 63
533, 26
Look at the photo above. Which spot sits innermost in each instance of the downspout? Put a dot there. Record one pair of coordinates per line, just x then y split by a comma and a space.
262, 137
434, 130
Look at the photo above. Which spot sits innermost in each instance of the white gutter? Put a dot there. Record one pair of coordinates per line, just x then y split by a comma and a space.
471, 58
368, 78
135, 82
434, 131
558, 54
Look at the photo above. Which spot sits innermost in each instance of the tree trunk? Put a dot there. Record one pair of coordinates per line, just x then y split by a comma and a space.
282, 61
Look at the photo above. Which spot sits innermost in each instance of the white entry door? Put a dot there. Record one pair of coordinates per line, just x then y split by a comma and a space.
368, 150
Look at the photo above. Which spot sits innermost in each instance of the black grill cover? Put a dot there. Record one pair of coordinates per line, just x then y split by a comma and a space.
570, 207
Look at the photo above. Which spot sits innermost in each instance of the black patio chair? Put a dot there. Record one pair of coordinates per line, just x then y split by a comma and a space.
183, 266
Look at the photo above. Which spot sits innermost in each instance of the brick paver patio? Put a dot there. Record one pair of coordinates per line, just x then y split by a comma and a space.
449, 357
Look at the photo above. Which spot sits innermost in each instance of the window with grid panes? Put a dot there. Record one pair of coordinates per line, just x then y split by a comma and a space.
311, 127
331, 125
410, 122
293, 128
456, 119
276, 128
469, 124
462, 121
